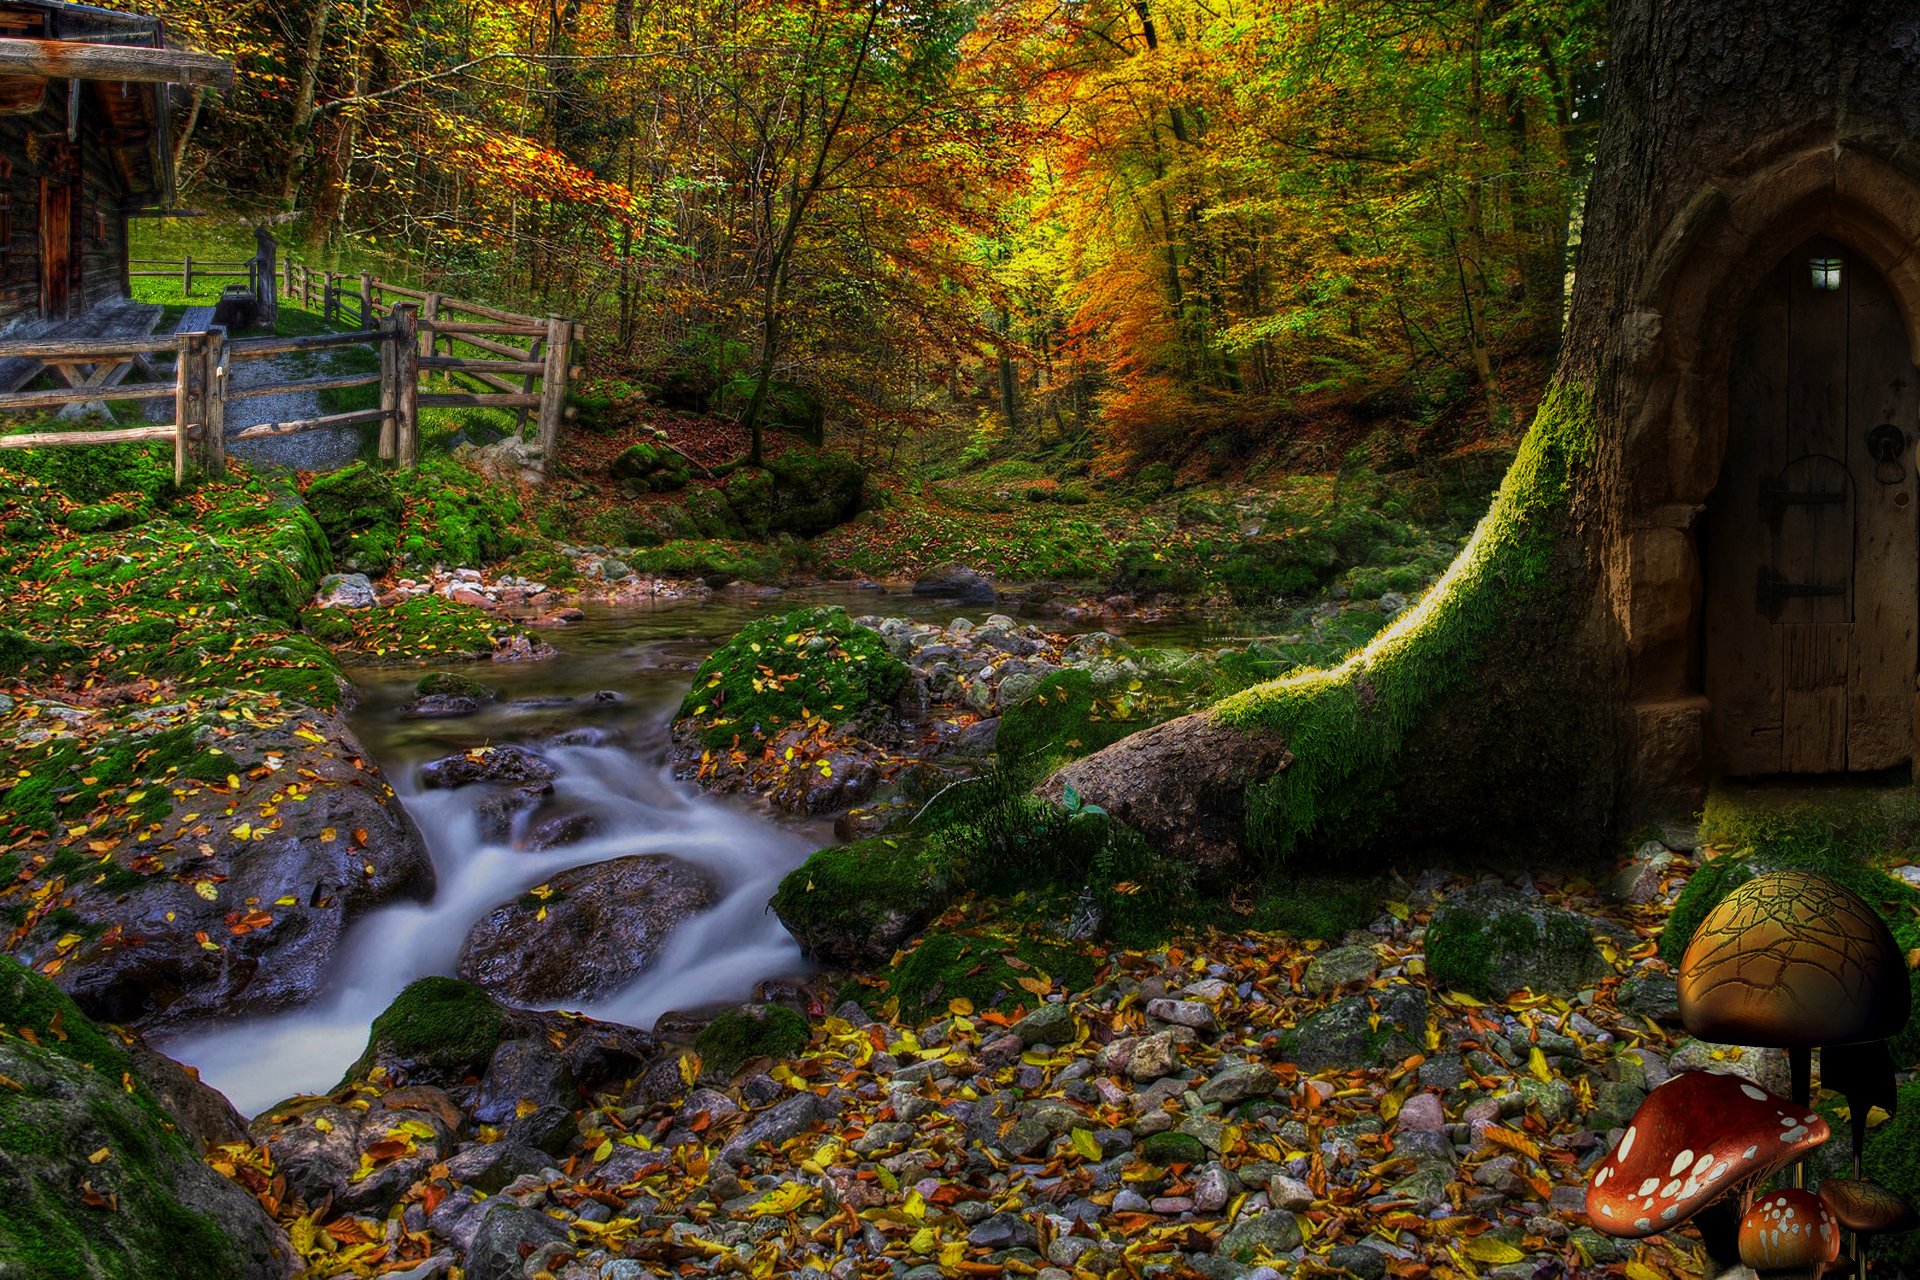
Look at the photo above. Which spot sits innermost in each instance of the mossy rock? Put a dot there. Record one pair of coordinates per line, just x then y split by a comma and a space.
102, 516
1063, 719
1325, 908
751, 1031
1487, 942
854, 904
811, 664
451, 684
1838, 839
1171, 1148
76, 1121
437, 1030
945, 966
814, 491
359, 510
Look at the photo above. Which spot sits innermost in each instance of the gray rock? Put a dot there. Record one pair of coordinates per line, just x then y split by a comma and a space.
1153, 1057
1268, 1234
1331, 970
598, 927
522, 1070
1767, 1068
1344, 1034
1421, 1113
344, 591
1358, 1260
775, 1125
1490, 939
1049, 1024
1236, 1082
490, 1166
1653, 996
1184, 1013
505, 764
497, 1246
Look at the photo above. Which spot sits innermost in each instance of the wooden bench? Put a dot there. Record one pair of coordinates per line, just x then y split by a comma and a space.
119, 319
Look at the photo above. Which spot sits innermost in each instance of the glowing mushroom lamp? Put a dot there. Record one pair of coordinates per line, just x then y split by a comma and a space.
1695, 1149
1791, 1231
1866, 1208
1795, 960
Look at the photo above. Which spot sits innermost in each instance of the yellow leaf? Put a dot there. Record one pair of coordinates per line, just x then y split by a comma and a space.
329, 834
689, 1067
323, 1124
915, 1205
1488, 1250
783, 1199
604, 1150
99, 1155
1537, 1064
923, 1242
1085, 1143
952, 1253
960, 1006
287, 901
524, 1108
1637, 1270
243, 831
206, 889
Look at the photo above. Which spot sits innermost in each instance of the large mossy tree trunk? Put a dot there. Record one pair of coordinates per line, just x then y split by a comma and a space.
1519, 703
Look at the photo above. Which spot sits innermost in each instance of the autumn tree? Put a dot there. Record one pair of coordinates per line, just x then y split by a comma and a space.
1549, 687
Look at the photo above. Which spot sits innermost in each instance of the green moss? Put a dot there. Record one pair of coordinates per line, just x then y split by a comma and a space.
1319, 907
1464, 946
715, 562
424, 628
1063, 720
103, 515
836, 898
1844, 839
29, 1000
447, 1024
1171, 1148
974, 966
449, 684
359, 510
779, 671
1349, 727
1891, 1157
756, 1031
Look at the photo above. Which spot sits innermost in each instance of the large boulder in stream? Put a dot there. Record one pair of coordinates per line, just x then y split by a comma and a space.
586, 931
271, 834
99, 1177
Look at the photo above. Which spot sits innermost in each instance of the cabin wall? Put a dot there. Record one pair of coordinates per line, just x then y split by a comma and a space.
97, 243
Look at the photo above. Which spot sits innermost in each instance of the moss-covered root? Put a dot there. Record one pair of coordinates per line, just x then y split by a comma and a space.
1317, 758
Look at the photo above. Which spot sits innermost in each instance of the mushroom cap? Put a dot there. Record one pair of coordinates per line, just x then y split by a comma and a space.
1793, 958
1790, 1229
1864, 1205
1692, 1140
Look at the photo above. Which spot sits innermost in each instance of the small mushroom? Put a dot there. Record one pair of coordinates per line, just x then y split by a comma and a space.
1698, 1140
1793, 959
1866, 1208
1790, 1230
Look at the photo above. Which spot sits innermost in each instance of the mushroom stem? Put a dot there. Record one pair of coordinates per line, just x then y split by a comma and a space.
1719, 1227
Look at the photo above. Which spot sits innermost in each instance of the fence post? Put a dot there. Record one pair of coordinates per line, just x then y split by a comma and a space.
366, 301
189, 382
389, 388
286, 285
213, 442
430, 312
553, 387
406, 382
186, 277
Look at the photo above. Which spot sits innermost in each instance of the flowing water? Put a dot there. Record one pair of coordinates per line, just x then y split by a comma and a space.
614, 765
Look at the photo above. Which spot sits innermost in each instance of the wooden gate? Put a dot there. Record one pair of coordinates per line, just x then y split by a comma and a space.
1812, 581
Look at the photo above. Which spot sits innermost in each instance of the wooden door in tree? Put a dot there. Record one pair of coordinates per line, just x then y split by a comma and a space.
1813, 580
56, 247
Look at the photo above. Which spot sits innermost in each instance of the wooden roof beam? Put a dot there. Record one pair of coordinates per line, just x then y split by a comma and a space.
74, 60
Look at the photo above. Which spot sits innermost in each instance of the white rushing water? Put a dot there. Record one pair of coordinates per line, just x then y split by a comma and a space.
716, 956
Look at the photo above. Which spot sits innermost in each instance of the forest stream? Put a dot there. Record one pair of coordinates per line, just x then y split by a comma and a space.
612, 758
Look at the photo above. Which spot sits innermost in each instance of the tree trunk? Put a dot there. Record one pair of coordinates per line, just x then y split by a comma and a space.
1548, 690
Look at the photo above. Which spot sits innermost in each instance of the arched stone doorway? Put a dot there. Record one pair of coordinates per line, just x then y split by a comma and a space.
1812, 563
1681, 329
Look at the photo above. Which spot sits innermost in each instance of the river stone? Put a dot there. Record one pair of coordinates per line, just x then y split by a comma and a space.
311, 871
344, 591
604, 925
507, 1233
506, 763
1274, 1232
775, 1125
1488, 940
1345, 1033
967, 585
1340, 967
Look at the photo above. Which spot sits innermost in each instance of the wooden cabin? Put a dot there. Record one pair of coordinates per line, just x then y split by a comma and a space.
84, 143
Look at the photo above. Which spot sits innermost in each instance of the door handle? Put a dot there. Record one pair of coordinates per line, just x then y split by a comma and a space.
1885, 444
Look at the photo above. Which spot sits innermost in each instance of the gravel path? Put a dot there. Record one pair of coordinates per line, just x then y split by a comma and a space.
327, 450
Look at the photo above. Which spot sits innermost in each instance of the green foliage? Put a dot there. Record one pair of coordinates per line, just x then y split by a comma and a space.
1348, 727
1317, 906
756, 1031
647, 467
425, 628
945, 966
811, 663
359, 510
1063, 720
449, 1025
833, 901
441, 513
29, 1000
715, 562
93, 475
1845, 840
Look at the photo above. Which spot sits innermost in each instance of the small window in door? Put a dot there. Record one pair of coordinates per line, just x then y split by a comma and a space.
1826, 273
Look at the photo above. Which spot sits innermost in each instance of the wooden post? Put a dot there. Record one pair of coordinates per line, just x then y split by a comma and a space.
553, 387
286, 289
266, 277
213, 442
389, 388
189, 387
186, 277
366, 300
430, 312
406, 381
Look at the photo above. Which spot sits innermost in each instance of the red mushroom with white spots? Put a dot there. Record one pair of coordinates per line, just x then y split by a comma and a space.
1697, 1140
1790, 1230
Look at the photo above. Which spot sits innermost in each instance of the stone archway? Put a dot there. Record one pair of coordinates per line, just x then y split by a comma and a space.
1680, 336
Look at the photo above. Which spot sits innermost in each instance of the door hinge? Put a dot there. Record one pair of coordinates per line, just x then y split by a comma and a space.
1771, 592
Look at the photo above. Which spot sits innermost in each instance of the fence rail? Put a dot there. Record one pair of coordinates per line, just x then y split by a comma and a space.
414, 331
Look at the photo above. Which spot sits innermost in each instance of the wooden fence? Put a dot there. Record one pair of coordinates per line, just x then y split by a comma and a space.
416, 334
